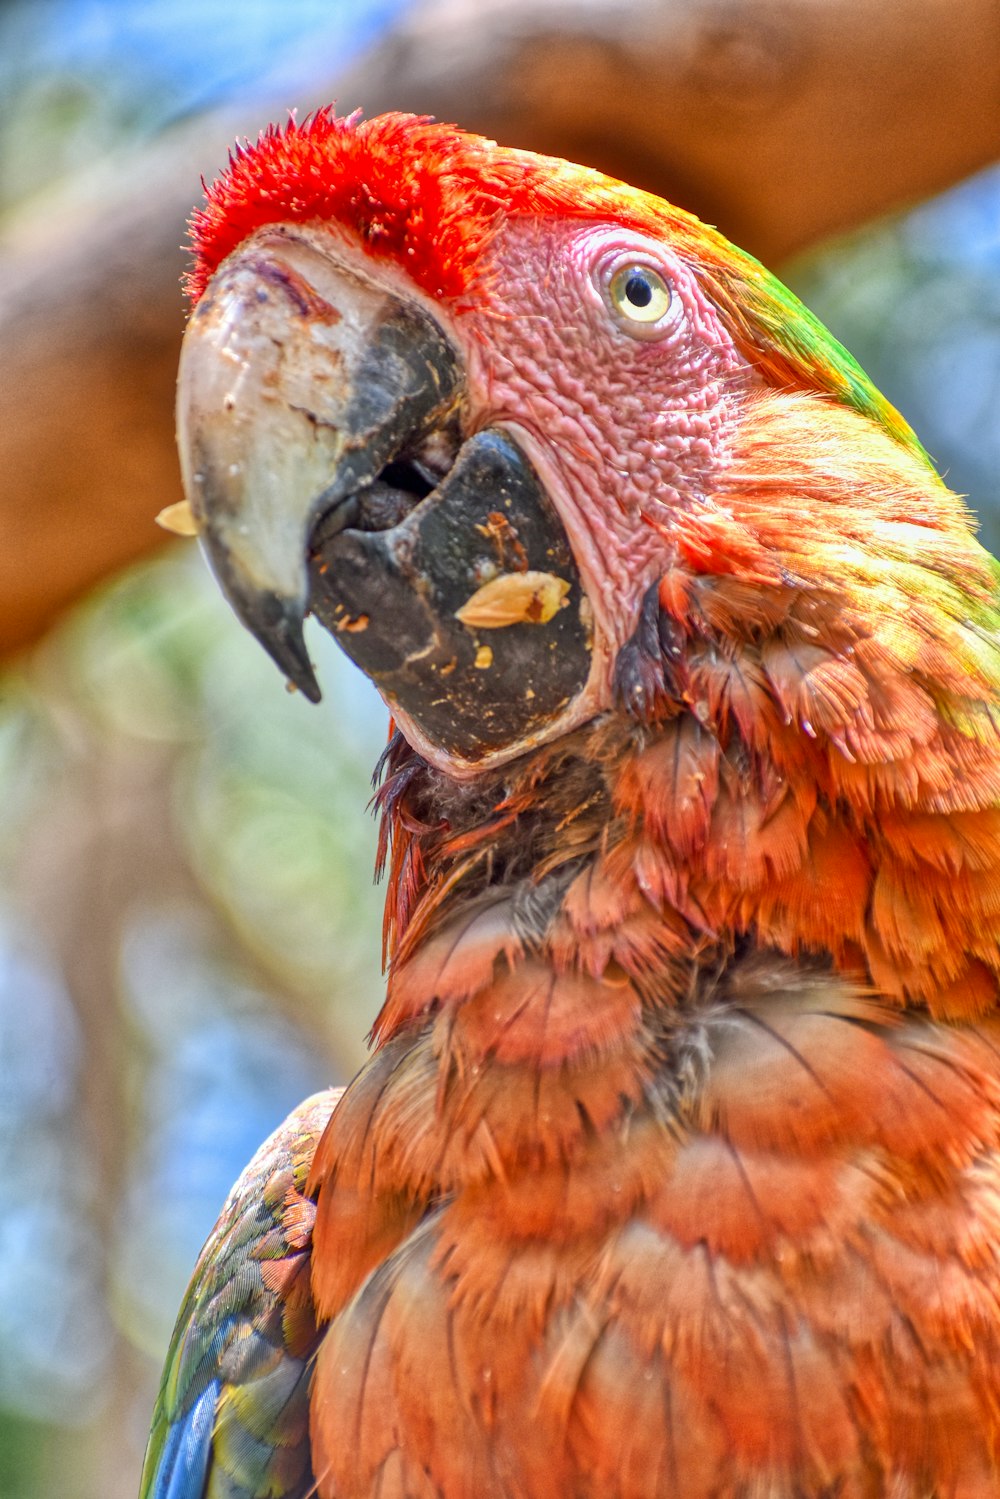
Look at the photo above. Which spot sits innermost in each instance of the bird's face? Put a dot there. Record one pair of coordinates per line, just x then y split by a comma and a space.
471, 493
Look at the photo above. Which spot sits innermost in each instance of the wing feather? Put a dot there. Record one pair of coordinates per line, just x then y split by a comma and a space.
231, 1419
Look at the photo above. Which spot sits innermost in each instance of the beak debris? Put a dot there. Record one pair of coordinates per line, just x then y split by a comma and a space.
529, 598
179, 519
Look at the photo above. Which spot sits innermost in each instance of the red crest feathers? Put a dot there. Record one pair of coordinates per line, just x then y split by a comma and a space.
425, 194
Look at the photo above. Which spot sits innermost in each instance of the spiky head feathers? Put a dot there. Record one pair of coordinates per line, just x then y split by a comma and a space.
432, 198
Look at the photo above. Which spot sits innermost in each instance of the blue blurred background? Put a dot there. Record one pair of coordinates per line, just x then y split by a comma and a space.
188, 929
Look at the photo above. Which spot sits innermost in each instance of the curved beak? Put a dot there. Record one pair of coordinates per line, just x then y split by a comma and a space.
300, 380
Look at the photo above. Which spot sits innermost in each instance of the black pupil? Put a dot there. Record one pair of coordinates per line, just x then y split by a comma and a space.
638, 290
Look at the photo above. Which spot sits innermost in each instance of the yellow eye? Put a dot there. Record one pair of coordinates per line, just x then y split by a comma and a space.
639, 293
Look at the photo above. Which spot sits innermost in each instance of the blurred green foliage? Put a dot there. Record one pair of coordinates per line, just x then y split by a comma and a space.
916, 298
155, 657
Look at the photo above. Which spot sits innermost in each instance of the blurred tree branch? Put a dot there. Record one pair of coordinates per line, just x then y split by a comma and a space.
781, 120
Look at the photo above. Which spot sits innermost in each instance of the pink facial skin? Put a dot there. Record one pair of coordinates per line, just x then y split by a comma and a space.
628, 424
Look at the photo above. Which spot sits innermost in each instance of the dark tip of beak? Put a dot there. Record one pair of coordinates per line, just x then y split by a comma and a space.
277, 624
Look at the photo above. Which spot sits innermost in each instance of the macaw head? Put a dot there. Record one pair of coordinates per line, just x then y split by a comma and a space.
467, 405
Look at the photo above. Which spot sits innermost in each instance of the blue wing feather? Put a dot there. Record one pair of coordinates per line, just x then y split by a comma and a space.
232, 1416
183, 1467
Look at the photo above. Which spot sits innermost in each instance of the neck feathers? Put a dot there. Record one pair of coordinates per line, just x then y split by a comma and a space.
818, 772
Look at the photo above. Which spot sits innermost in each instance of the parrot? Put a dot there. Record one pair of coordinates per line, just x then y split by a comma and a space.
674, 1168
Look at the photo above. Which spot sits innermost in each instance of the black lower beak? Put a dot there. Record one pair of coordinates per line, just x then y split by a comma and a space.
467, 613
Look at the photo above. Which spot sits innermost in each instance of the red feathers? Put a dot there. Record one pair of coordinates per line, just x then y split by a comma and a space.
423, 194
